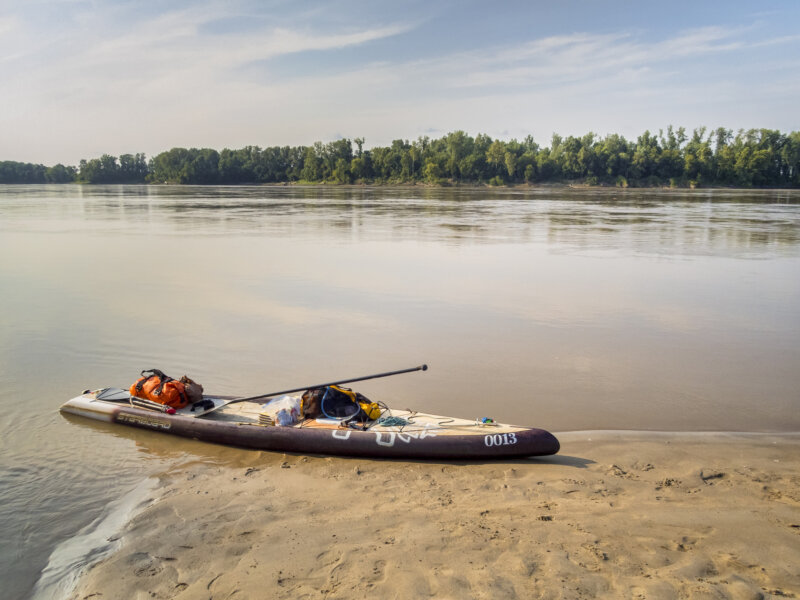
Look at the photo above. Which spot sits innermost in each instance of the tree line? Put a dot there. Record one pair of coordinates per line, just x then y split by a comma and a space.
19, 172
751, 158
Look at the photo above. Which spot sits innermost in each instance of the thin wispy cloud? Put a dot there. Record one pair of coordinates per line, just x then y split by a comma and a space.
173, 45
582, 56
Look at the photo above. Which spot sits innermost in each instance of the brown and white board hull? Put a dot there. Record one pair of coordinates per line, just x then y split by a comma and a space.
422, 436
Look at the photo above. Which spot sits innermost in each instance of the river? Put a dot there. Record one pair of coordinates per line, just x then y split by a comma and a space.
586, 309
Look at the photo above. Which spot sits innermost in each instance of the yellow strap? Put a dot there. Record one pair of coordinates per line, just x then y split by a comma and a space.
349, 393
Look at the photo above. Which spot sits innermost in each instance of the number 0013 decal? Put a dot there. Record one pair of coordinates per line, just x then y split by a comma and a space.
500, 439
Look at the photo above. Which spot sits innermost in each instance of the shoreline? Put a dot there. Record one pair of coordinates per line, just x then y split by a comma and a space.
434, 186
653, 514
485, 186
70, 560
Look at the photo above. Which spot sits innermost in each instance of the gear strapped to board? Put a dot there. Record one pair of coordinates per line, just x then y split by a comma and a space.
340, 403
155, 386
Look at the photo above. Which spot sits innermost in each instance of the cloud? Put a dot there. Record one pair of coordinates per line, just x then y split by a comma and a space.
587, 57
117, 79
120, 82
171, 47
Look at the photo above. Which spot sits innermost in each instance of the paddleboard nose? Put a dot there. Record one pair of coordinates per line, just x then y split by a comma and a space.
550, 443
85, 406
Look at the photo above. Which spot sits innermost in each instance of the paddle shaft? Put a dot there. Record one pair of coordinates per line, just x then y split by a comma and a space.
320, 385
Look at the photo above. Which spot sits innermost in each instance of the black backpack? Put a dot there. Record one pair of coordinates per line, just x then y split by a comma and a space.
337, 403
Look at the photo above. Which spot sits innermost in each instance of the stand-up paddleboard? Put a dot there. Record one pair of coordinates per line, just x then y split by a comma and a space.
396, 434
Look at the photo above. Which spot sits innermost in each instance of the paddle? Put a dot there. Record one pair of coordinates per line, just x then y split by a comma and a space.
320, 385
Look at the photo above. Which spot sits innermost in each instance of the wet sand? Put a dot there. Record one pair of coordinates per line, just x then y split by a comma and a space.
628, 515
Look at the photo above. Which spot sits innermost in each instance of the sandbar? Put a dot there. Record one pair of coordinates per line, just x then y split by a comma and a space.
615, 514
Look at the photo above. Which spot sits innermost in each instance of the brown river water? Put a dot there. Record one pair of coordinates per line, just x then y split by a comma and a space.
557, 308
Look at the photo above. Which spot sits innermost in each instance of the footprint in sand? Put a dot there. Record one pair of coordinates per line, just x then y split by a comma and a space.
668, 482
145, 565
378, 573
618, 471
329, 558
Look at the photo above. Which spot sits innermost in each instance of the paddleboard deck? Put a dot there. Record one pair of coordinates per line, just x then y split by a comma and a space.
121, 396
397, 434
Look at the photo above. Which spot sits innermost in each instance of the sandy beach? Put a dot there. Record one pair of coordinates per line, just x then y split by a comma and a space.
618, 515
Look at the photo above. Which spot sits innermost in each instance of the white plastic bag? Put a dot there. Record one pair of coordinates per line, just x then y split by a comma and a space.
284, 411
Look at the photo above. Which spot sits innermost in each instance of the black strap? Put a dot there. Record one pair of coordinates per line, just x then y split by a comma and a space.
148, 374
153, 372
141, 382
202, 404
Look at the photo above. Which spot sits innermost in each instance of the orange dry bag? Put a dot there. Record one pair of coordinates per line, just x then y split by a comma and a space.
156, 386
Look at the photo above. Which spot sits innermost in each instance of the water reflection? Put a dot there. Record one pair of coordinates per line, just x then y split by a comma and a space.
171, 449
704, 222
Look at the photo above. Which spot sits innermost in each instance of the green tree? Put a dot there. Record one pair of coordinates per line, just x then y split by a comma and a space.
645, 156
511, 164
790, 159
341, 172
361, 166
547, 165
19, 172
458, 146
568, 158
432, 172
496, 156
231, 167
132, 168
698, 165
60, 174
312, 165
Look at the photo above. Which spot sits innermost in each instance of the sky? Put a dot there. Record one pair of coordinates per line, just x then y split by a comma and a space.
79, 79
